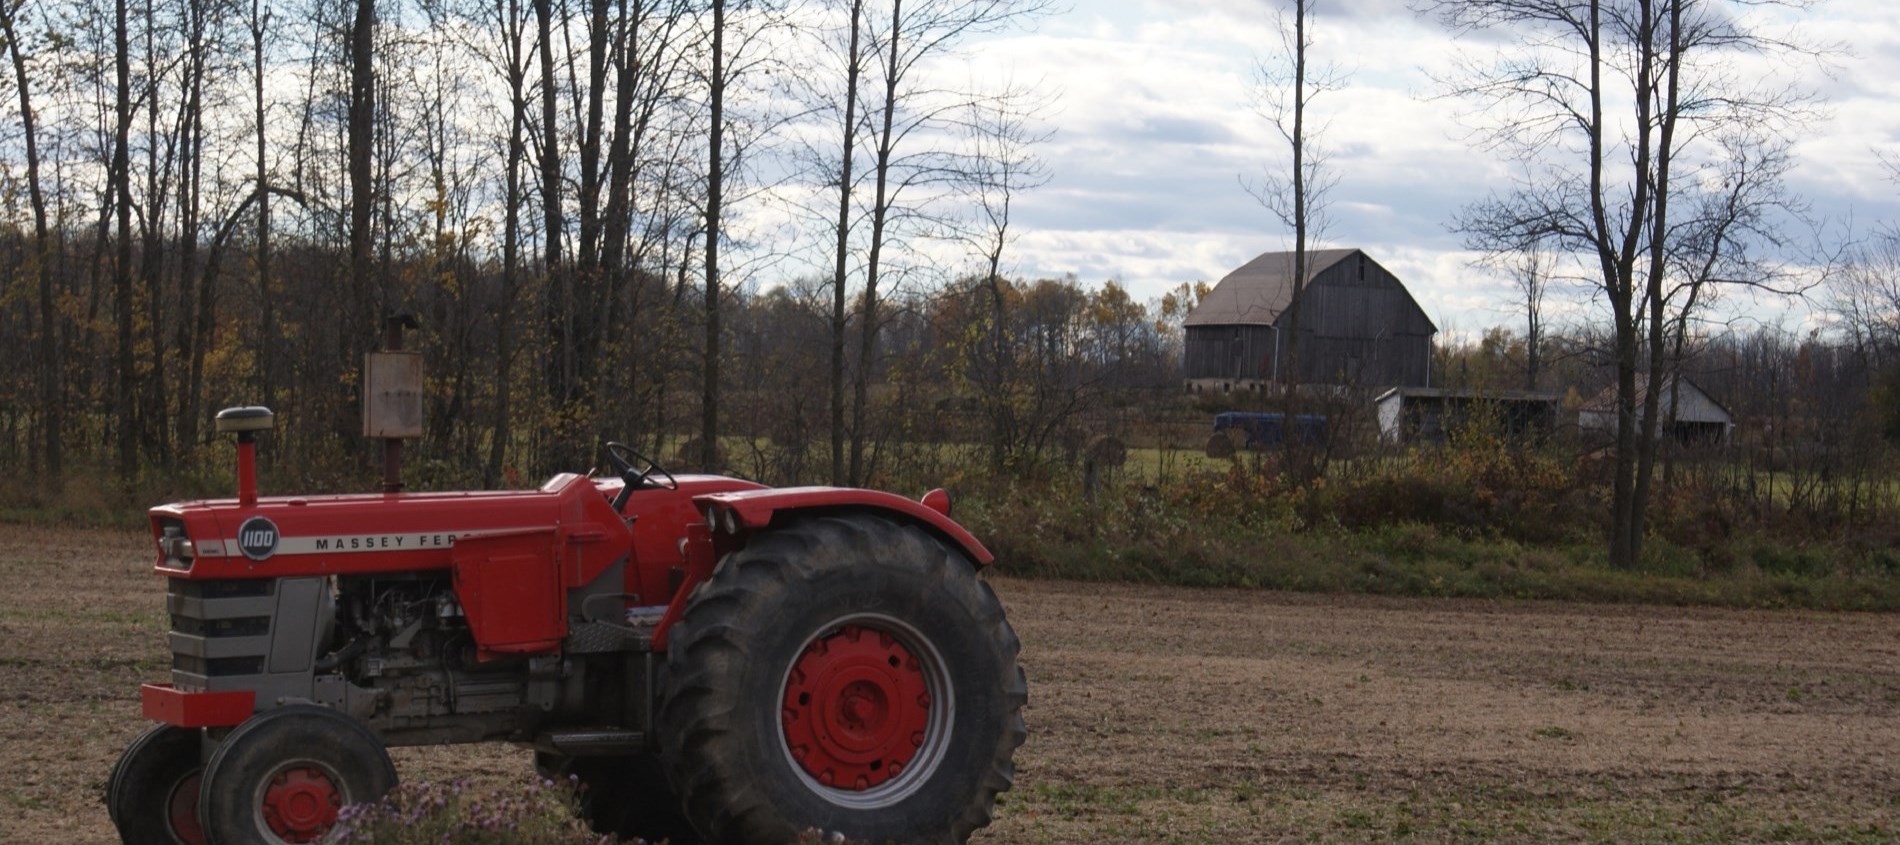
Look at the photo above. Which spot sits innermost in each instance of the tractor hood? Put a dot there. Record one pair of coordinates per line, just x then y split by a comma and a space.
394, 532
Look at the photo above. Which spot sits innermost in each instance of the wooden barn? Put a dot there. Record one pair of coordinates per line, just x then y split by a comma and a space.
1358, 326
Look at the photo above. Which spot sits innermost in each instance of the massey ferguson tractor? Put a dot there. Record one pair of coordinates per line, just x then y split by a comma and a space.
711, 659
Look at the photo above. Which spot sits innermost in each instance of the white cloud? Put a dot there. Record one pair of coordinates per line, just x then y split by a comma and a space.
1156, 131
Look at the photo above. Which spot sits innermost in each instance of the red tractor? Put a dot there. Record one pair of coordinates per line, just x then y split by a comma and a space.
712, 659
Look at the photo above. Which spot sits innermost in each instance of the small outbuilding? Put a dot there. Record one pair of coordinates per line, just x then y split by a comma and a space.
1689, 415
1427, 415
1359, 326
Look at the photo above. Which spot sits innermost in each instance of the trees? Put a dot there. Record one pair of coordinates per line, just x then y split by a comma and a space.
739, 34
910, 107
548, 185
1530, 272
1865, 298
1003, 165
1610, 109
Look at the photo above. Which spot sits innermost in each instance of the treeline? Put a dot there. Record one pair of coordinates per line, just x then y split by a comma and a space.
632, 219
1816, 414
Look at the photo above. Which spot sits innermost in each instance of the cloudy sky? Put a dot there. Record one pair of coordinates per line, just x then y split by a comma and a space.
1155, 132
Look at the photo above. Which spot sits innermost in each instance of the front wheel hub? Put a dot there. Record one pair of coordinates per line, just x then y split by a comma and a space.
301, 803
181, 810
857, 708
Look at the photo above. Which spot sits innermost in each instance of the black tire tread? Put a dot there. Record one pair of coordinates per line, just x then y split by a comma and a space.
341, 729
159, 744
712, 633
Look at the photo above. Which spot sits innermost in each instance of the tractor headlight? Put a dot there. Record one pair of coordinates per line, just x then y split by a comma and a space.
730, 520
177, 549
712, 518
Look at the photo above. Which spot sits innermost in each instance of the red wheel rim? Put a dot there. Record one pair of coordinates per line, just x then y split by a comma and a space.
856, 708
181, 810
300, 803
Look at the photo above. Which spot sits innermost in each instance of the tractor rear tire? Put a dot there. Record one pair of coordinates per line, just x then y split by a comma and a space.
846, 674
626, 795
152, 795
282, 776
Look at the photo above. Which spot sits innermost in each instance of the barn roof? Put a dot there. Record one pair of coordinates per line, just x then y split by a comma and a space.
1256, 293
1538, 396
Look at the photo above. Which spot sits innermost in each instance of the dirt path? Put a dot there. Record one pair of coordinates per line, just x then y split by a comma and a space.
1169, 715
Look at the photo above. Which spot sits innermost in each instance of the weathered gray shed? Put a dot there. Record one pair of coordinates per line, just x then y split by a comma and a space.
1428, 415
1358, 326
1696, 417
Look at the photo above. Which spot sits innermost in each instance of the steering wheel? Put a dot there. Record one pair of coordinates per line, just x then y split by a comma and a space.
636, 469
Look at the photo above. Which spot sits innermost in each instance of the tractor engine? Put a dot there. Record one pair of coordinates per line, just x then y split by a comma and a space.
407, 639
392, 650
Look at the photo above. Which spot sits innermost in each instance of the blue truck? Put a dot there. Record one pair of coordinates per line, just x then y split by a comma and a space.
1264, 430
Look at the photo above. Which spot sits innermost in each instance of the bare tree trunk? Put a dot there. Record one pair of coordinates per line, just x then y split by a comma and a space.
592, 135
153, 419
1632, 428
839, 317
715, 183
121, 175
509, 17
1291, 366
880, 211
615, 229
51, 424
267, 329
1002, 412
589, 277
362, 129
199, 305
560, 376
1657, 326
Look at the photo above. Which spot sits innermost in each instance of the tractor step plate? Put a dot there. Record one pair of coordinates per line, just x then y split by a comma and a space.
582, 743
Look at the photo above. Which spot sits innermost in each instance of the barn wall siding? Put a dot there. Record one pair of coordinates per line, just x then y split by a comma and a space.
1230, 352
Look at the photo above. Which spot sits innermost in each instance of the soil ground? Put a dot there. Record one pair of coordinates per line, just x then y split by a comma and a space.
1175, 715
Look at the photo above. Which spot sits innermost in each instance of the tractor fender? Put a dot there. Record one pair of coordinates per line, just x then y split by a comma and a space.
755, 509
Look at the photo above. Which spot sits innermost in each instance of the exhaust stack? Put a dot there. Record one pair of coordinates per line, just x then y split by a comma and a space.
246, 422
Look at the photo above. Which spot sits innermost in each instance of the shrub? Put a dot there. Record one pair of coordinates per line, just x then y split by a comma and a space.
543, 812
1488, 490
422, 813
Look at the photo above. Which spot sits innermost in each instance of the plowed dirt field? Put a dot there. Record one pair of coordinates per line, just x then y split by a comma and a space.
1170, 715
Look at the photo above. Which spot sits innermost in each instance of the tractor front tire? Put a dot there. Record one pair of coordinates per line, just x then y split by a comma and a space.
152, 795
846, 674
282, 776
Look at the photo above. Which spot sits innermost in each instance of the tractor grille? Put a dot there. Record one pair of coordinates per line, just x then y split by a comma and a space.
217, 667
245, 589
250, 626
221, 631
